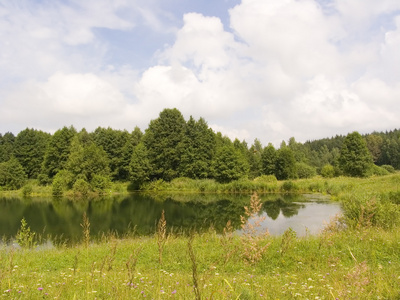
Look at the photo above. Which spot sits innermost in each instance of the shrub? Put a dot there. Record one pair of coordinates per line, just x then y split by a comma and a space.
266, 178
389, 168
27, 190
44, 179
328, 171
289, 186
81, 187
12, 175
376, 170
61, 182
100, 183
305, 171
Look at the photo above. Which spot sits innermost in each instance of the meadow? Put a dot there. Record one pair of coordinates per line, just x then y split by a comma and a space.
356, 256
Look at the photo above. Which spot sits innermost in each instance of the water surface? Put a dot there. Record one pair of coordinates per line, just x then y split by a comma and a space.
139, 213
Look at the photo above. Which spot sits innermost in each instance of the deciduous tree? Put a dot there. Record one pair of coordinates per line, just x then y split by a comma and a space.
355, 158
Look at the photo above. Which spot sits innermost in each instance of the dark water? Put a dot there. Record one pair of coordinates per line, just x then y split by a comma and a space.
61, 218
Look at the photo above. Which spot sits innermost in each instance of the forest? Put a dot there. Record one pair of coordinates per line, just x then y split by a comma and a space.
172, 147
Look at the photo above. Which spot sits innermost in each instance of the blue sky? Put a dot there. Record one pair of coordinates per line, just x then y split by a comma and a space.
266, 69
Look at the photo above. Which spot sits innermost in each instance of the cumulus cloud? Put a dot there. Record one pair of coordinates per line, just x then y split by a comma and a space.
307, 69
289, 68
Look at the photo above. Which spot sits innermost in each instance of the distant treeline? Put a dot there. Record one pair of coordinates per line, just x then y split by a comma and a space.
172, 147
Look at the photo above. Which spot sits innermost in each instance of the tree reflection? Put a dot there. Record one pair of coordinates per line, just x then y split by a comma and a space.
183, 212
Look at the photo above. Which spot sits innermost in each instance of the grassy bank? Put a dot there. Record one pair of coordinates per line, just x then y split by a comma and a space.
356, 257
263, 184
362, 264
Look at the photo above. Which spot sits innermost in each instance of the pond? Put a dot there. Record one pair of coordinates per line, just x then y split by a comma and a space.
60, 219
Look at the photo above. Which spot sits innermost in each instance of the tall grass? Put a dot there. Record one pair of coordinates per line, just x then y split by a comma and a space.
355, 257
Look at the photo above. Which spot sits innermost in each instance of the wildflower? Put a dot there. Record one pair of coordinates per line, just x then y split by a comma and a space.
173, 292
40, 288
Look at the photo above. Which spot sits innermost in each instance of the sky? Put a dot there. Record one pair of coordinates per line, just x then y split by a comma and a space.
265, 69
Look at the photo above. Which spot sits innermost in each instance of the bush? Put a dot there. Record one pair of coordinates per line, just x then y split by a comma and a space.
266, 178
27, 190
81, 187
44, 179
305, 171
61, 182
389, 168
378, 171
12, 175
328, 171
289, 186
100, 183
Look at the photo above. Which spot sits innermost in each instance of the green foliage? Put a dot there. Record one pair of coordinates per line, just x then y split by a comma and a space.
140, 167
285, 165
113, 142
377, 171
198, 150
87, 159
229, 164
266, 178
6, 146
57, 152
44, 179
289, 186
27, 190
12, 174
374, 145
162, 140
63, 181
81, 187
254, 155
389, 168
100, 183
305, 171
29, 149
355, 158
25, 237
390, 153
268, 160
328, 171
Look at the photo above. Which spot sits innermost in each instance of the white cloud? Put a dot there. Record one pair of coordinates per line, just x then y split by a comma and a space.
285, 68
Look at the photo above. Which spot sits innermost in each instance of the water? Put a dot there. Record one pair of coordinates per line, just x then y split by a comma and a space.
60, 219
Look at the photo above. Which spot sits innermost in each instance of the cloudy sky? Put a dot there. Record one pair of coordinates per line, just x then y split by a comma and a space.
266, 69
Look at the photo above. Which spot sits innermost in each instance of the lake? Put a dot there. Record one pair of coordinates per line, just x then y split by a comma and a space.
61, 218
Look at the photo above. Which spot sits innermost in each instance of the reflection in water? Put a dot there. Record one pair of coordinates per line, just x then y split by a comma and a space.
140, 212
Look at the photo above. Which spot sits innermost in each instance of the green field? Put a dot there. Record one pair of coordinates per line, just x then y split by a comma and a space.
355, 257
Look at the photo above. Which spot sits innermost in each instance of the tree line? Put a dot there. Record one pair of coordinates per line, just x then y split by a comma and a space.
172, 147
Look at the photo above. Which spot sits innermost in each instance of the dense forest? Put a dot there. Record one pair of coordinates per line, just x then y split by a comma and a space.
172, 147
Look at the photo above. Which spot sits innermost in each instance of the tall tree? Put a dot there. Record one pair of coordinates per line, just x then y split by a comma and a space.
285, 165
268, 160
29, 148
254, 155
390, 153
127, 150
6, 146
57, 151
140, 168
87, 160
113, 142
198, 149
12, 175
162, 139
374, 145
355, 158
229, 164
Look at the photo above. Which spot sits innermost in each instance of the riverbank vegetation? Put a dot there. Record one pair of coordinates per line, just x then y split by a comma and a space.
172, 148
354, 257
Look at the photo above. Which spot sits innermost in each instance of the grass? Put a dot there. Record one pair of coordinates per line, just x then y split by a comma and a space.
355, 257
343, 265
